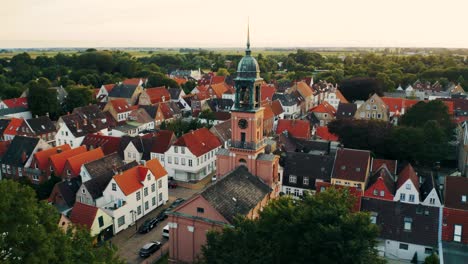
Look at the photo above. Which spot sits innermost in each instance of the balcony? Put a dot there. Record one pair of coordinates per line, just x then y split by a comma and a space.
246, 145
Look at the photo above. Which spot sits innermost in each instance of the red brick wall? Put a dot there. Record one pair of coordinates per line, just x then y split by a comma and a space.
451, 218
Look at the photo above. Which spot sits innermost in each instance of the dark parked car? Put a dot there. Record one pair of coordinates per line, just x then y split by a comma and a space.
149, 249
162, 215
148, 225
177, 202
172, 185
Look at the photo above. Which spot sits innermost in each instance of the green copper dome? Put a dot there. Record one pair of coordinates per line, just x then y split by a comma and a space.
248, 67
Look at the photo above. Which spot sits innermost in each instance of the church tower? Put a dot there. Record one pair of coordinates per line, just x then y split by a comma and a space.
247, 144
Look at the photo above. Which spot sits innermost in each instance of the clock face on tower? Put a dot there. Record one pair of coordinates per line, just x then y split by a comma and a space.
243, 123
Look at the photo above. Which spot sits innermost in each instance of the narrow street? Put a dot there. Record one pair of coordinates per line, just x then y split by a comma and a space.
129, 241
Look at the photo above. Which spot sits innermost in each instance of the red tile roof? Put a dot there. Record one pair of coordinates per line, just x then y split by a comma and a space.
109, 87
390, 164
340, 96
130, 180
156, 168
42, 157
397, 104
267, 92
351, 164
296, 128
83, 214
408, 173
455, 188
120, 105
277, 107
80, 159
13, 126
304, 89
324, 107
133, 81
166, 110
158, 94
179, 81
219, 89
268, 112
217, 79
108, 144
163, 141
323, 133
199, 141
58, 160
16, 102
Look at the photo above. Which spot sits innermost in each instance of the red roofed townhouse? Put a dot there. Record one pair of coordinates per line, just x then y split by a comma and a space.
324, 112
295, 127
306, 92
351, 168
381, 184
455, 219
119, 108
267, 92
213, 209
57, 161
14, 103
216, 90
407, 186
39, 171
72, 167
154, 95
98, 222
108, 144
103, 93
323, 133
134, 193
11, 130
161, 143
41, 127
192, 157
334, 97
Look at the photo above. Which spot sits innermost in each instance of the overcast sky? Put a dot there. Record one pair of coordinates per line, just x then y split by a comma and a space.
217, 23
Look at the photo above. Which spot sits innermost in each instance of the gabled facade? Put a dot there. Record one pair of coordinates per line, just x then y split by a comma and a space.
98, 222
128, 91
381, 184
430, 192
57, 161
119, 108
40, 127
407, 186
12, 128
74, 128
39, 170
373, 108
351, 168
72, 166
154, 95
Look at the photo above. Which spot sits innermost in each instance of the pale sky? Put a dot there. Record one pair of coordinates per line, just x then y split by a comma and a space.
211, 23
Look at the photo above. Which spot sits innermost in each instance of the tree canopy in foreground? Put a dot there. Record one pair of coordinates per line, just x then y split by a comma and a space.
29, 232
317, 229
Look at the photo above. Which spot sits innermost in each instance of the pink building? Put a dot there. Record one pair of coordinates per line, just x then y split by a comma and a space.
238, 193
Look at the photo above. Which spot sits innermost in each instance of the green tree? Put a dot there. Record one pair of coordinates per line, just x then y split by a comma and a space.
222, 72
317, 229
432, 259
30, 232
41, 99
78, 96
158, 79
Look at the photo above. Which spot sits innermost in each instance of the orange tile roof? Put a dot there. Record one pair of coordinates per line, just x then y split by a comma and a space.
109, 87
217, 79
324, 107
304, 89
120, 105
268, 112
16, 102
133, 81
277, 107
156, 94
129, 181
58, 160
199, 141
340, 96
83, 214
179, 81
323, 133
80, 159
219, 89
42, 157
13, 126
295, 127
267, 92
156, 168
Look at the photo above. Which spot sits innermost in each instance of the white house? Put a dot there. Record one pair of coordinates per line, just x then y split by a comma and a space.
407, 186
193, 156
74, 128
134, 193
429, 193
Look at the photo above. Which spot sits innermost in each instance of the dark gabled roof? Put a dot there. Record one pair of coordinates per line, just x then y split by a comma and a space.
346, 110
351, 164
174, 92
123, 90
236, 193
96, 185
104, 165
391, 220
428, 185
68, 190
307, 165
80, 126
41, 125
285, 99
163, 141
150, 109
90, 112
108, 144
9, 111
19, 146
292, 144
3, 125
220, 104
222, 130
455, 188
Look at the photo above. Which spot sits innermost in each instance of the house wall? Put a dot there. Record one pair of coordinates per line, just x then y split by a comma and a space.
131, 154
83, 196
452, 217
201, 166
393, 251
371, 109
65, 136
332, 100
432, 195
379, 186
404, 190
107, 219
348, 183
25, 130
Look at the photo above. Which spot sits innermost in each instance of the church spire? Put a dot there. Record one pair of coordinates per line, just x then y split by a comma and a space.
247, 51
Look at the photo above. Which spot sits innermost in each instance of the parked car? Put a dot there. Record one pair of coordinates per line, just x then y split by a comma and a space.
148, 225
165, 231
162, 215
149, 249
177, 202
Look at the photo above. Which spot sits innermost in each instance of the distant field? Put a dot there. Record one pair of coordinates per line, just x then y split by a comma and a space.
145, 53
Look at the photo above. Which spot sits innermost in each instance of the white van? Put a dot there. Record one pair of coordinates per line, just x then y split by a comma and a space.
165, 231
